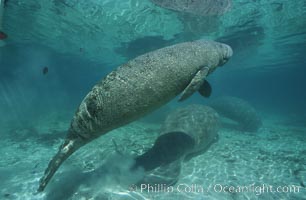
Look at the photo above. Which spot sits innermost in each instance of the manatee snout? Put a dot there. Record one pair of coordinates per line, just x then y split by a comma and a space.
225, 51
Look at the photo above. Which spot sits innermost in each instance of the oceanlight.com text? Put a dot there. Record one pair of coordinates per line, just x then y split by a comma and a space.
257, 189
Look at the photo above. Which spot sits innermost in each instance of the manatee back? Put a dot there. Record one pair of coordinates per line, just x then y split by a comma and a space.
239, 111
141, 86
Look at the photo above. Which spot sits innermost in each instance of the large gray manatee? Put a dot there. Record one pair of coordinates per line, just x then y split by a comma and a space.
137, 88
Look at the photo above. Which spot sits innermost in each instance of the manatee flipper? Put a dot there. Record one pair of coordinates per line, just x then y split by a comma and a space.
195, 83
205, 89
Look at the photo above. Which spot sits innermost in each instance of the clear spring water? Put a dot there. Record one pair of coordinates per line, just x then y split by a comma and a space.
81, 41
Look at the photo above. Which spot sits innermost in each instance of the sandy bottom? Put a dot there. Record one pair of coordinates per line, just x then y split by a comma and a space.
269, 164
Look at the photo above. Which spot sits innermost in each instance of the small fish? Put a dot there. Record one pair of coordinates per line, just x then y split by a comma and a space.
7, 195
2, 5
2, 35
45, 70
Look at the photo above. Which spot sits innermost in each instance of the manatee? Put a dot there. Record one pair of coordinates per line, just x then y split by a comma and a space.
199, 122
138, 87
238, 110
186, 132
167, 148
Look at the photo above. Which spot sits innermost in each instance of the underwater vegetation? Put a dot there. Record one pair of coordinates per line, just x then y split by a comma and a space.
239, 111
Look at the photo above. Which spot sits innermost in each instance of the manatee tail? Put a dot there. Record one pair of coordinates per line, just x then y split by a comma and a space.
65, 150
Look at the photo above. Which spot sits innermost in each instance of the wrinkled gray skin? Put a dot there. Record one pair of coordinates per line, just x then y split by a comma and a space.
135, 89
200, 122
